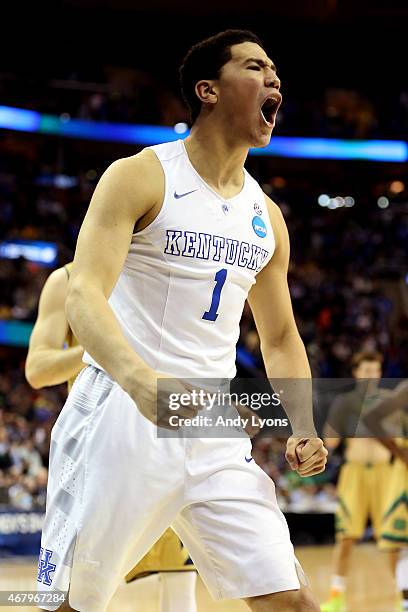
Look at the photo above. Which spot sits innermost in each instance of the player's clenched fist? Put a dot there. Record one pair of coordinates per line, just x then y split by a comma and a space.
307, 456
153, 399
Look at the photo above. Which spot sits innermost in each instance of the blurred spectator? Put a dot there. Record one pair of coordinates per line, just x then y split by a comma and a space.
26, 420
130, 95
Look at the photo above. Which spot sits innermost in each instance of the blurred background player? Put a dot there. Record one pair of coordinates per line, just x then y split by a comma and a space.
364, 477
54, 357
394, 524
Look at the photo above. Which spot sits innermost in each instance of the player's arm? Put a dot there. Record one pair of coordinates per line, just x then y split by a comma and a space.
282, 349
129, 190
48, 363
396, 402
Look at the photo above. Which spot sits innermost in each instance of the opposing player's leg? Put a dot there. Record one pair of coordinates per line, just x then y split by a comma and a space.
177, 592
167, 555
351, 518
401, 575
394, 528
171, 560
341, 563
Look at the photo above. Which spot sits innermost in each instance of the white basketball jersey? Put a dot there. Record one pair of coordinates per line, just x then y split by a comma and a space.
181, 293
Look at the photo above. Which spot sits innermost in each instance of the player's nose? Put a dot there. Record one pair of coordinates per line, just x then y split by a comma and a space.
273, 81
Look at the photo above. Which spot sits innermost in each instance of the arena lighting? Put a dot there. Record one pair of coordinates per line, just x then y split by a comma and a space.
326, 201
383, 202
37, 251
323, 199
181, 128
15, 333
280, 146
397, 187
324, 148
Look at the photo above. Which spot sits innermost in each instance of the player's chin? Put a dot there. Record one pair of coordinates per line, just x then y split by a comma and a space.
262, 138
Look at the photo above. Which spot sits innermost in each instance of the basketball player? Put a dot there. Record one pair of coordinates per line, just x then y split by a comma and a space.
394, 527
50, 333
171, 245
363, 479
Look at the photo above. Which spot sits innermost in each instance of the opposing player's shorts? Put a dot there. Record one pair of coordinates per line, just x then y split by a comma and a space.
361, 492
168, 555
115, 487
394, 526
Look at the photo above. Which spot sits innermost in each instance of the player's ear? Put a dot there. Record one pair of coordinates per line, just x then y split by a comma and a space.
206, 92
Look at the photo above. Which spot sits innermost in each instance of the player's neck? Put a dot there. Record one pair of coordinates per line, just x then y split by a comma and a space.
217, 158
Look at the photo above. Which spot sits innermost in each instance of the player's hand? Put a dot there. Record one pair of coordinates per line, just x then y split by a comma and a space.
152, 399
307, 456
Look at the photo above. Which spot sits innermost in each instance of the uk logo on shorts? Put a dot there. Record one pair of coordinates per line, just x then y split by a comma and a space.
259, 227
45, 567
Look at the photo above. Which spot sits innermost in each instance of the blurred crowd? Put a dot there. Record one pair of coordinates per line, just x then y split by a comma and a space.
130, 95
294, 493
348, 287
26, 420
347, 274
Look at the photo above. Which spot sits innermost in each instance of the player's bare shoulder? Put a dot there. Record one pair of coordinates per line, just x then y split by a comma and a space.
136, 183
149, 170
55, 287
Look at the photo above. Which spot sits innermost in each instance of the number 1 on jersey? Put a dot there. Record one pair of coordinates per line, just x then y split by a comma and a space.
220, 277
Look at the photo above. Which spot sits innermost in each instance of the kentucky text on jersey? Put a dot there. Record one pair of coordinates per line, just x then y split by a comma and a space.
217, 248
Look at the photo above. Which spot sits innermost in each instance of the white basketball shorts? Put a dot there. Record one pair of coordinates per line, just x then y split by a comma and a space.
114, 487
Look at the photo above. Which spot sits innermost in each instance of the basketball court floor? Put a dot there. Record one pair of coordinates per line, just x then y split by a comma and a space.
371, 584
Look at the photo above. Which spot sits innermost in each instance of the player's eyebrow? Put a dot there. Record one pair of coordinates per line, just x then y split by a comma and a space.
262, 63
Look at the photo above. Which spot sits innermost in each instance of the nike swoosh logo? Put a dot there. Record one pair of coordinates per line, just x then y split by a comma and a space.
248, 460
182, 195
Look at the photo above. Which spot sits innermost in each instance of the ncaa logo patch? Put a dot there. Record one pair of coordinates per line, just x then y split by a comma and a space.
259, 227
257, 208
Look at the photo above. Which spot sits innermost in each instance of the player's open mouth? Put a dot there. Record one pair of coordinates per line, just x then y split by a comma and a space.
269, 109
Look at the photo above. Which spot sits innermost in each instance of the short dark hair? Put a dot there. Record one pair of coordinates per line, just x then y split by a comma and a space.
361, 356
205, 60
